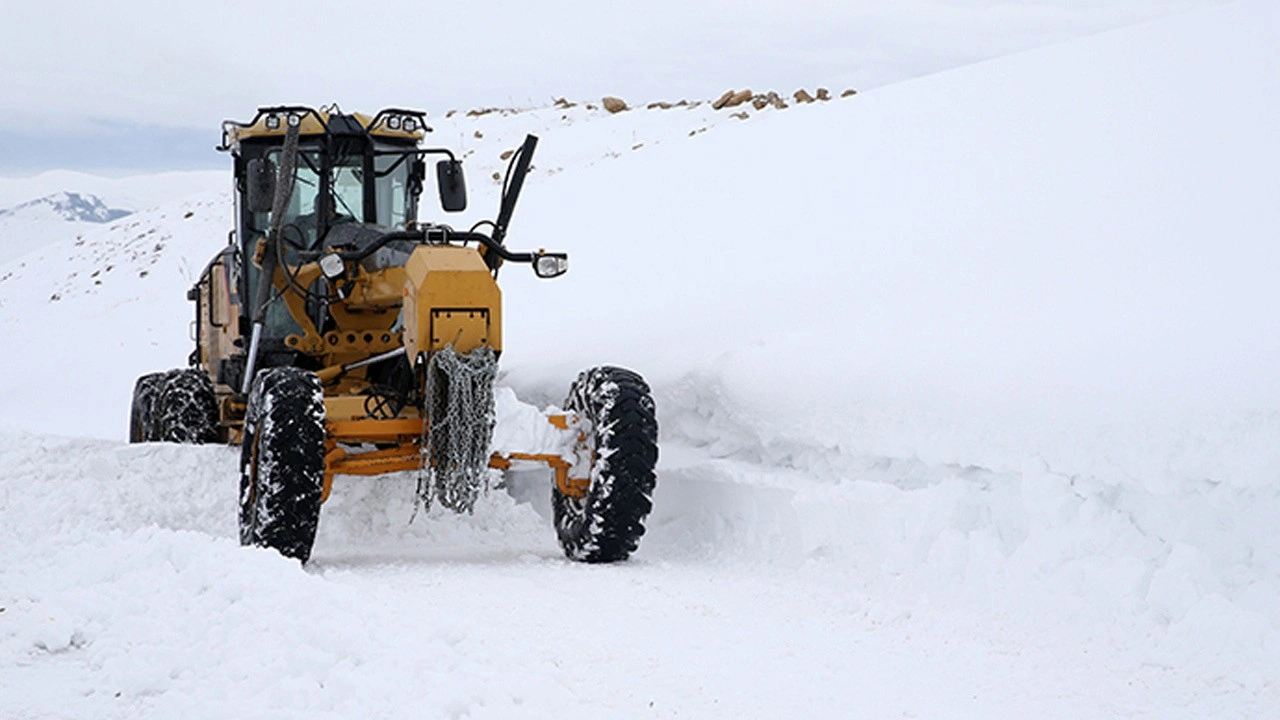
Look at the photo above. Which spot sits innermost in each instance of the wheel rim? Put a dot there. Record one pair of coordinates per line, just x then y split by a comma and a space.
584, 448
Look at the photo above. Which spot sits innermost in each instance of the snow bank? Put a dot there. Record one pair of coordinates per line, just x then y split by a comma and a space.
1061, 255
968, 595
95, 311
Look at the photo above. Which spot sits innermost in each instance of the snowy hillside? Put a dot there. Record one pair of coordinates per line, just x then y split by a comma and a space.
130, 277
37, 211
54, 206
66, 207
36, 223
137, 192
968, 400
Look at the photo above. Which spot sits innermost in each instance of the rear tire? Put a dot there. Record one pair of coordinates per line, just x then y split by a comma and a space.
185, 409
621, 436
282, 462
142, 426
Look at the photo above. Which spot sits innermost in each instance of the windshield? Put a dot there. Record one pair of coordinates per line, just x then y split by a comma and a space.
318, 204
390, 186
346, 195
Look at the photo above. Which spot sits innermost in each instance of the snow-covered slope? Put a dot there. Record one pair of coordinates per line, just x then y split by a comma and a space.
96, 307
130, 278
968, 404
1012, 254
134, 192
57, 216
66, 207
62, 205
574, 133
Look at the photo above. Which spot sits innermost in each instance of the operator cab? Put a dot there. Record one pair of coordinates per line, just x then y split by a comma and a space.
357, 177
349, 171
324, 198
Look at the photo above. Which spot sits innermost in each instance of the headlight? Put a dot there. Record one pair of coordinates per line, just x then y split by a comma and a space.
332, 266
549, 266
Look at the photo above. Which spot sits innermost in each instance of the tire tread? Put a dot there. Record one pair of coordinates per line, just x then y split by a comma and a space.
607, 525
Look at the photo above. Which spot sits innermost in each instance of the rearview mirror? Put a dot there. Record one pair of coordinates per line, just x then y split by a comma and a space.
453, 189
260, 184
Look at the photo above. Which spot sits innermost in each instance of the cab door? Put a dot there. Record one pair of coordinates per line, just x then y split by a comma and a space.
218, 321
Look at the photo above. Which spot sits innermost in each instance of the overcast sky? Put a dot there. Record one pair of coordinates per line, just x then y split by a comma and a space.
142, 85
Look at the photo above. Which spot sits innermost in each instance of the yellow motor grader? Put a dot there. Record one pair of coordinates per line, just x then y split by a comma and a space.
336, 334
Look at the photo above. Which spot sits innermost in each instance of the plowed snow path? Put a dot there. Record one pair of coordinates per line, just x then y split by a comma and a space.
126, 595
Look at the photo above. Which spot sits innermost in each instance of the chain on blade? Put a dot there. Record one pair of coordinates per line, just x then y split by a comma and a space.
459, 428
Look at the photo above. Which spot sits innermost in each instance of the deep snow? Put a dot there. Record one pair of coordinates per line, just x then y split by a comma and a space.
967, 400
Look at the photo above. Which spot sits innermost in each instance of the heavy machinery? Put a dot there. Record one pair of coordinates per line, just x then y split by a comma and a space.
336, 334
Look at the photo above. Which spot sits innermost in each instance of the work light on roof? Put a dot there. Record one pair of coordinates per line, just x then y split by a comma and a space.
273, 122
410, 124
393, 122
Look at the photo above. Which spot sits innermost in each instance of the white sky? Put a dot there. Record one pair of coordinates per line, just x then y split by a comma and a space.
86, 70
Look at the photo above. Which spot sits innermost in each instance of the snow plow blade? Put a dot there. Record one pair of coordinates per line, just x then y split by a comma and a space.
409, 452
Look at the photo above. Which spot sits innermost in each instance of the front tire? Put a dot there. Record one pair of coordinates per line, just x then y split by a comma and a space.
282, 462
620, 433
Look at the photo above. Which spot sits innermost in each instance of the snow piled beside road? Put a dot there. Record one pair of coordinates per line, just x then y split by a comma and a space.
968, 409
94, 311
140, 603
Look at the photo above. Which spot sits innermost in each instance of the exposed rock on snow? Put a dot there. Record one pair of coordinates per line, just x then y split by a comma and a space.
731, 98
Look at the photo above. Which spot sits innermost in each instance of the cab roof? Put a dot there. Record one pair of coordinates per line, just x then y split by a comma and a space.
271, 122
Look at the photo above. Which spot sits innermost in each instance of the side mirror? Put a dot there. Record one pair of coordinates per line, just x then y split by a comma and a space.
453, 189
260, 184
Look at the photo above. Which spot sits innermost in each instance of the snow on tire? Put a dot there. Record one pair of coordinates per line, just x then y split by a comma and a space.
282, 462
621, 435
185, 409
142, 425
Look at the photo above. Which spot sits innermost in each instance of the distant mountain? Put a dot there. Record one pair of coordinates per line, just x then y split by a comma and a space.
66, 206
